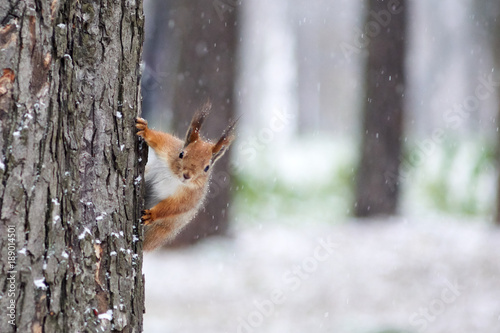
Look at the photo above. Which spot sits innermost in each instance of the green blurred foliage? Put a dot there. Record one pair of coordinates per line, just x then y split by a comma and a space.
457, 178
263, 194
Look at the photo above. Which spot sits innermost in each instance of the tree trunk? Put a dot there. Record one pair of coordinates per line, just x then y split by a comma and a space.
70, 185
494, 15
157, 57
205, 71
378, 175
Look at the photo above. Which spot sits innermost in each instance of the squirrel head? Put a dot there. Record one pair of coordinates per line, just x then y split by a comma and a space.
195, 160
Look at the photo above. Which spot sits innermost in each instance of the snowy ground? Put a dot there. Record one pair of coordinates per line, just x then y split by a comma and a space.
401, 275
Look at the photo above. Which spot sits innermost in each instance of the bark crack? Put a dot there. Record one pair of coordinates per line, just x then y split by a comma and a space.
63, 184
10, 13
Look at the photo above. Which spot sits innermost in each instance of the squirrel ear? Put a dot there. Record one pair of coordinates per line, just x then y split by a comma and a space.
224, 142
193, 132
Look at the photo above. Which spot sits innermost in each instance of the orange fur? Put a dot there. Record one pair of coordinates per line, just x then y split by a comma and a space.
189, 164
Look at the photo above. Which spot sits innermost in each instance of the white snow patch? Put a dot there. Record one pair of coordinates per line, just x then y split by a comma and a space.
65, 254
2, 166
40, 284
119, 115
377, 276
22, 251
85, 231
108, 315
123, 250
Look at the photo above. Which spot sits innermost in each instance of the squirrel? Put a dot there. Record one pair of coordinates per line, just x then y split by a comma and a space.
177, 174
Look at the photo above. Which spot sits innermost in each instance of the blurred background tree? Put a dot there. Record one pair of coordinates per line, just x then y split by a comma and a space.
496, 54
377, 189
493, 8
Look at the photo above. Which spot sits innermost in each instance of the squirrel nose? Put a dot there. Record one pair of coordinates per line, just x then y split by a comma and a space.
186, 176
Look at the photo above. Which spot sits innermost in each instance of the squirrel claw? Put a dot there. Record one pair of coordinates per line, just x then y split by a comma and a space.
140, 120
141, 124
146, 218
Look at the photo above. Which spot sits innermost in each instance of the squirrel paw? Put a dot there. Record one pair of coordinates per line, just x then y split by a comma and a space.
142, 125
147, 218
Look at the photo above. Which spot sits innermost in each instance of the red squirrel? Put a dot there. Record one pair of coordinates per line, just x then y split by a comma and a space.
177, 175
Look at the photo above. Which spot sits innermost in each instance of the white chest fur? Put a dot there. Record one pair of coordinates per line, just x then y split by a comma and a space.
160, 181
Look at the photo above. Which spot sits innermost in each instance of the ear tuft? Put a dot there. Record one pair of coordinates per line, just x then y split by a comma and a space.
224, 142
193, 132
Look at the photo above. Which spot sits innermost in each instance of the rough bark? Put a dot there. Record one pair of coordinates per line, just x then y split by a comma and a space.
70, 195
205, 47
378, 175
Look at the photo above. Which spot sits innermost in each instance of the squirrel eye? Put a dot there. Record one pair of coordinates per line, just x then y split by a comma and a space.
181, 155
206, 168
